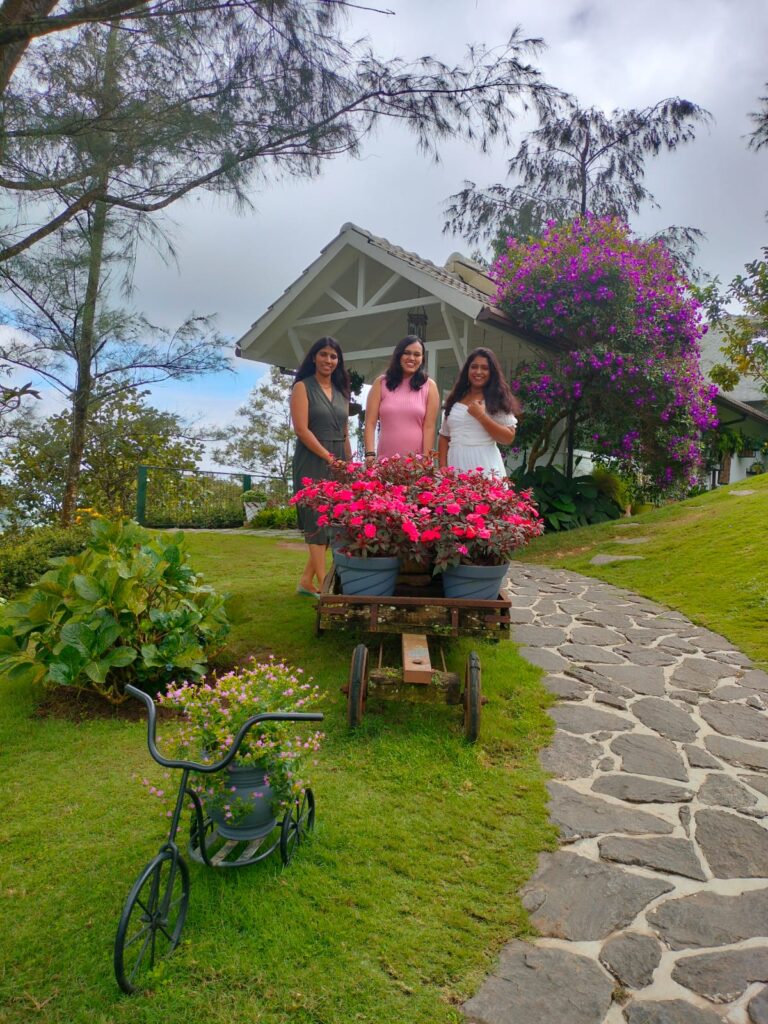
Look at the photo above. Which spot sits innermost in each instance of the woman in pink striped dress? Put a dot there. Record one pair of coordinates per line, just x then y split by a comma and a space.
404, 403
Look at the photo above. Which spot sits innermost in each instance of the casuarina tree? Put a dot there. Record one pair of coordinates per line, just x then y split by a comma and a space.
579, 159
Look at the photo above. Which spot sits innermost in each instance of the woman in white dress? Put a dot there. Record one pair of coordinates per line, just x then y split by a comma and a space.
479, 415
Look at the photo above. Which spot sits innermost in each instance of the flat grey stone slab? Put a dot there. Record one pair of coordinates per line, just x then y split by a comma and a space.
532, 984
735, 658
555, 619
643, 679
733, 846
638, 789
688, 696
577, 606
742, 493
606, 617
646, 655
676, 856
699, 758
665, 718
520, 616
566, 688
650, 755
583, 719
600, 636
731, 691
735, 720
709, 919
538, 636
547, 660
630, 540
579, 815
700, 674
668, 1011
570, 757
571, 897
611, 700
631, 958
721, 790
758, 782
626, 526
743, 755
755, 679
722, 977
757, 1008
607, 559
590, 654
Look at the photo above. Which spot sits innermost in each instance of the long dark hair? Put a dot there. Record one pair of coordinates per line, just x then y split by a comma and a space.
394, 373
339, 377
497, 393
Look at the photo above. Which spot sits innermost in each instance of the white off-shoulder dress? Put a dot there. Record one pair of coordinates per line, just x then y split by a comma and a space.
470, 446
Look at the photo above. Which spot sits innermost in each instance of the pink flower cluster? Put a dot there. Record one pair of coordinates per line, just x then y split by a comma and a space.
213, 712
406, 507
629, 363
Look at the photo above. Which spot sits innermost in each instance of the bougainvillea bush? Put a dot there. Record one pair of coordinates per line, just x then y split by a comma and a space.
404, 506
627, 371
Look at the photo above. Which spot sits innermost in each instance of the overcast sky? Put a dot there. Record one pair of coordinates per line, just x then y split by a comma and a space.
608, 53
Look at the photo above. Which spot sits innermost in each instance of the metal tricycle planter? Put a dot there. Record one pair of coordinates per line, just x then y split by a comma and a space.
153, 915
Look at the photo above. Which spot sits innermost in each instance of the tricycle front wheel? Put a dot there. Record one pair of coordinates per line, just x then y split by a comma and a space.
298, 821
152, 919
472, 697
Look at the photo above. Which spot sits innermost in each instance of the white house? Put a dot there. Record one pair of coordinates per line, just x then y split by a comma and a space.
369, 293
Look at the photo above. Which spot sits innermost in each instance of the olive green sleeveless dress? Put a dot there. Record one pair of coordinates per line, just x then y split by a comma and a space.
328, 422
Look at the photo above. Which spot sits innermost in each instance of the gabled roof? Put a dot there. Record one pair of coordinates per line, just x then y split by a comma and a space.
461, 284
747, 410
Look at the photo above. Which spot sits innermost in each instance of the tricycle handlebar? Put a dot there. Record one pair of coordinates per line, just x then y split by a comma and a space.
278, 716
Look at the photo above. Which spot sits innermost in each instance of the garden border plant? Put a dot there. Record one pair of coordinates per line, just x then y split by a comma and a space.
128, 609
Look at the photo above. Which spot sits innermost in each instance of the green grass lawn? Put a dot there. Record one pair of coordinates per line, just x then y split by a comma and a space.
393, 912
707, 557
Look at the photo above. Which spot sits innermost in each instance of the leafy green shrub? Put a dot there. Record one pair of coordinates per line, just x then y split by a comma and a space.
24, 555
565, 504
279, 518
613, 485
127, 609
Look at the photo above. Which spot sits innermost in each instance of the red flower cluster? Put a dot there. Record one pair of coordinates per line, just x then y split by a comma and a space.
406, 507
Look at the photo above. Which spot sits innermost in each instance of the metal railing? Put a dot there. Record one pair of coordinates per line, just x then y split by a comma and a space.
193, 498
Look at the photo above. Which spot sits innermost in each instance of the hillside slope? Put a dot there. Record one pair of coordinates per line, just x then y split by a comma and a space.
706, 557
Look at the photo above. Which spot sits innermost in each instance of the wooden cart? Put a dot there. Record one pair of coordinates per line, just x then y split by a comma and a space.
417, 611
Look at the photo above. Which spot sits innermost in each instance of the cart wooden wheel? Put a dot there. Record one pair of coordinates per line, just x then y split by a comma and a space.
472, 697
298, 821
152, 919
357, 692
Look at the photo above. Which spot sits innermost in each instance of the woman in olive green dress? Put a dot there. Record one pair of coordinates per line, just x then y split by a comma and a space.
320, 415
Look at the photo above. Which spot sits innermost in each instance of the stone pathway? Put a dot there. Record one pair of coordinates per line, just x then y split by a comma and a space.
655, 909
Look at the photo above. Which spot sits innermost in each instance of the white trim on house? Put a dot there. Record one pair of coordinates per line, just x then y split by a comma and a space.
360, 290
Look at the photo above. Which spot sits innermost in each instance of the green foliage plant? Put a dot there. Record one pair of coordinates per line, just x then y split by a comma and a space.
281, 517
24, 555
128, 609
565, 504
745, 336
213, 712
612, 484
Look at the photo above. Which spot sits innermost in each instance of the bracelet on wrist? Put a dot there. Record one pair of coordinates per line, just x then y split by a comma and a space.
371, 455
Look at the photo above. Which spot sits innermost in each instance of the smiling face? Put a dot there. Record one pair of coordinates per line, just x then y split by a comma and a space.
326, 361
411, 358
479, 372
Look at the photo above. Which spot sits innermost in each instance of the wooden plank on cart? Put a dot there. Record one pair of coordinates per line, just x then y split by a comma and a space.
417, 667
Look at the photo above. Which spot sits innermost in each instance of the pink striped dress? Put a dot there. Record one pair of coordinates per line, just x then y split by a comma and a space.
401, 419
